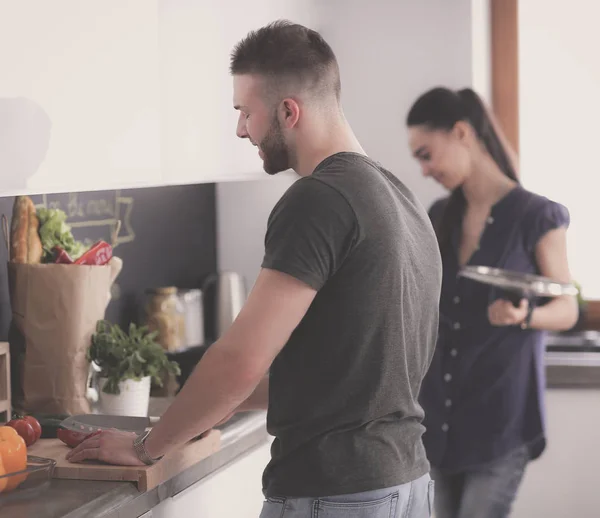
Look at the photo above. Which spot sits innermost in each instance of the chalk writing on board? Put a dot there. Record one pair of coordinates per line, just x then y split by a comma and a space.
95, 210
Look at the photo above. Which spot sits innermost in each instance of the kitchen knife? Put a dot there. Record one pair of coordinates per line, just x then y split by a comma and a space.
88, 423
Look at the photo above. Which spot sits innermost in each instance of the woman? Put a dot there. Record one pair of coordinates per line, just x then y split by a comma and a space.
484, 393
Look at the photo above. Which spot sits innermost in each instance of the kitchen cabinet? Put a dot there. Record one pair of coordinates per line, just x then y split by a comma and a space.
113, 95
564, 481
234, 490
79, 96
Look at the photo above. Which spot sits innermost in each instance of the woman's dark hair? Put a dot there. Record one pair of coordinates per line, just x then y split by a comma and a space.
440, 109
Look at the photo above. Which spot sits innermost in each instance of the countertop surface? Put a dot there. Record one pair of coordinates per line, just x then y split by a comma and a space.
84, 499
573, 360
241, 434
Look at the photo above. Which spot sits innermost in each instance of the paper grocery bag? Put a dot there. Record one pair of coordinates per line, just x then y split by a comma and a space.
55, 308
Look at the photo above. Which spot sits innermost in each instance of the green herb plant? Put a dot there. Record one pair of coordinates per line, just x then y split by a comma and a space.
122, 356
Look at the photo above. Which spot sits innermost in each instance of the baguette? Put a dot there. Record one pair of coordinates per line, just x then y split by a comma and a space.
35, 250
25, 243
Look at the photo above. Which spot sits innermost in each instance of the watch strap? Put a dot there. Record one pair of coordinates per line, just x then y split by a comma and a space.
140, 449
527, 320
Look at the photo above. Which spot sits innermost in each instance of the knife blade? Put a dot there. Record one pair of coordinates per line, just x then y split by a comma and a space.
88, 423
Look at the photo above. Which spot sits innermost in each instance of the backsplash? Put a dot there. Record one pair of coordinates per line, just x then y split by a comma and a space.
167, 238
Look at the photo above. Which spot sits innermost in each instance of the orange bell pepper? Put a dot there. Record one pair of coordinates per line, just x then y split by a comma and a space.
3, 481
13, 457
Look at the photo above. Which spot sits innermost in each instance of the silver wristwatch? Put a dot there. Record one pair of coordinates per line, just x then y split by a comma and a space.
140, 449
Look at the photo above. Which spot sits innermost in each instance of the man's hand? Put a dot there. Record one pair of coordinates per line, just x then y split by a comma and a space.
225, 419
111, 446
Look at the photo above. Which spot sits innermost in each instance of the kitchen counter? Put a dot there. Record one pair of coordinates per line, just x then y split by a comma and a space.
98, 499
573, 360
573, 370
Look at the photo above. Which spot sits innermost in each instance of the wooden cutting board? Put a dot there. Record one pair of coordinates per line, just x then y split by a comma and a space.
146, 477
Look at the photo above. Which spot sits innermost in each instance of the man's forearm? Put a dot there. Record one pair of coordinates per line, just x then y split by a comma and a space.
259, 399
219, 384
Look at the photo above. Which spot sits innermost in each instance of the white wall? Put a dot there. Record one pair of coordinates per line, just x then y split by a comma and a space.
559, 111
242, 212
481, 48
389, 53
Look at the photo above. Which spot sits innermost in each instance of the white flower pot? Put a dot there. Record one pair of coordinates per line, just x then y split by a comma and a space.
133, 399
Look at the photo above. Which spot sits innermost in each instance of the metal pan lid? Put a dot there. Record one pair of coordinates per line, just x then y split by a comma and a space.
524, 283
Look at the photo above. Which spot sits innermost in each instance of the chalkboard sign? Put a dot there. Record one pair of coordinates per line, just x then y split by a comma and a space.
166, 238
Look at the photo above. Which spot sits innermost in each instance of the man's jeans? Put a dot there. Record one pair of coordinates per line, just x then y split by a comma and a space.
412, 500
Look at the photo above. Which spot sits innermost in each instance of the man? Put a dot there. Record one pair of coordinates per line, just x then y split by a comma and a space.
343, 315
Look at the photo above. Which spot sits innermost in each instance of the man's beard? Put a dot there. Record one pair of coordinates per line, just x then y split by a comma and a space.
276, 155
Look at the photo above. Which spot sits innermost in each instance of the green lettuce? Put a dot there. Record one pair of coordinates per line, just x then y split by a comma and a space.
54, 231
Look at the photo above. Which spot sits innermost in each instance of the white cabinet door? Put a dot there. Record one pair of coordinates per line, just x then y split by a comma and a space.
564, 481
197, 115
193, 89
196, 38
117, 94
79, 98
234, 491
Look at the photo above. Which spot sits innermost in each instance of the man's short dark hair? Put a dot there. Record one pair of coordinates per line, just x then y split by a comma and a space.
288, 55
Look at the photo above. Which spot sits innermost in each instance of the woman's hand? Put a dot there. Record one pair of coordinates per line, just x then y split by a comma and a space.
503, 312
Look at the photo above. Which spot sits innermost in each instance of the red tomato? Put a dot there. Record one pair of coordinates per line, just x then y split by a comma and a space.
35, 424
24, 429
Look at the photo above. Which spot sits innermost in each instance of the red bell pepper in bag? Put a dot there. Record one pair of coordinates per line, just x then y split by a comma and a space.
61, 257
100, 253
